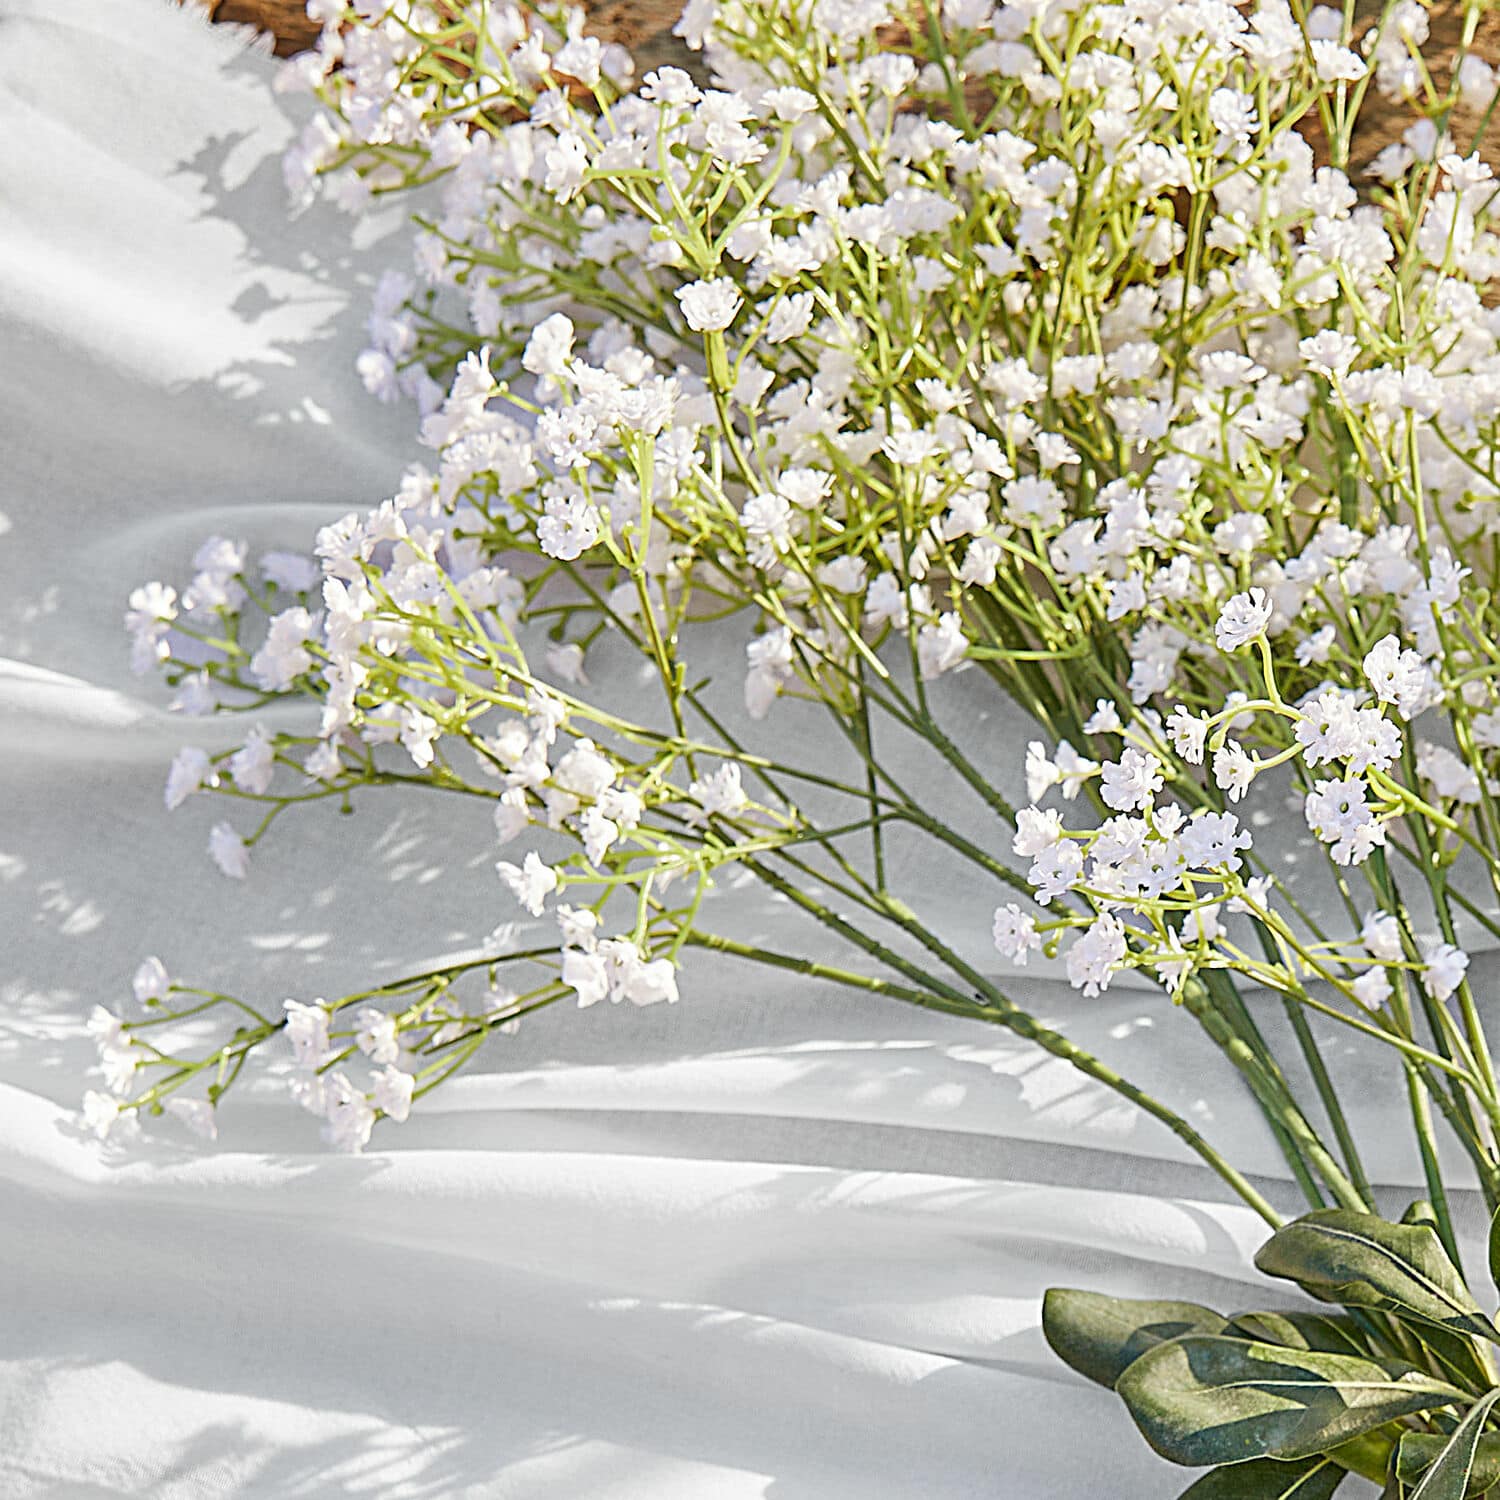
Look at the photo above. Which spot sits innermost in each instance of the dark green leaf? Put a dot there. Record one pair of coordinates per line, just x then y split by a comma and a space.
1365, 1261
1101, 1337
1301, 1330
1204, 1400
1464, 1463
1268, 1479
1455, 1357
1495, 1249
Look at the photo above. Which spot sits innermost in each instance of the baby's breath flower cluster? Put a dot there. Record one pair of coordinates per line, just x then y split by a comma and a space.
1051, 356
934, 364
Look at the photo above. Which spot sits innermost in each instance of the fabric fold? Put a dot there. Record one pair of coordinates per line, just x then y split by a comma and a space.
776, 1241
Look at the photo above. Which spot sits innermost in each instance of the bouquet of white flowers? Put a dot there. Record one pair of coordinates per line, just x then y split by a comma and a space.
1049, 358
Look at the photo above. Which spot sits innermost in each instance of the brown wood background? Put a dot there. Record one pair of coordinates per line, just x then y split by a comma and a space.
645, 26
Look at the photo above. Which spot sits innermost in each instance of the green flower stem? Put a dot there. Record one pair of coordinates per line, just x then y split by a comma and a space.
1232, 1010
1454, 1104
858, 729
1421, 1089
1473, 1026
1456, 896
1272, 1090
1462, 1070
1328, 1096
1421, 1113
994, 1007
1272, 1098
470, 1042
1445, 1035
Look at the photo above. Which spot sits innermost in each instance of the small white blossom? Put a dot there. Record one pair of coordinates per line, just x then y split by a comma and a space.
1131, 782
578, 925
375, 1035
788, 104
1372, 988
101, 1113
565, 660
307, 1031
291, 572
1443, 967
253, 766
1188, 733
419, 731
1256, 899
1243, 619
392, 1093
709, 306
1381, 935
1092, 959
348, 1116
1073, 769
1337, 812
191, 770
1212, 840
106, 1028
1105, 719
790, 318
228, 851
1336, 64
1398, 676
1055, 870
512, 814
530, 882
322, 762
1316, 648
1329, 352
151, 981
1449, 777
1234, 769
653, 982
941, 646
151, 606
550, 346
283, 657
587, 974
1015, 933
1035, 831
720, 795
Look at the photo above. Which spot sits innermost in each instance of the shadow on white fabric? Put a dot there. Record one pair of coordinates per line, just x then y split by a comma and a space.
772, 1242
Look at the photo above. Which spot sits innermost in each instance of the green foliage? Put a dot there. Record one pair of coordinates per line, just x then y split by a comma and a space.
1301, 1330
1101, 1337
1268, 1479
1285, 1404
1202, 1399
1494, 1255
1467, 1463
1360, 1260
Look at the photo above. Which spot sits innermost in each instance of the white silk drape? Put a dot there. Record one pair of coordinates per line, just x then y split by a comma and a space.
774, 1241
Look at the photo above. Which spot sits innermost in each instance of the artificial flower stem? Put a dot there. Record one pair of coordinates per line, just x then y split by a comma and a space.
1328, 1095
1197, 1001
996, 1008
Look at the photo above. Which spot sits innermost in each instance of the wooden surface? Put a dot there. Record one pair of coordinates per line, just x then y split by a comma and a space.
645, 27
286, 20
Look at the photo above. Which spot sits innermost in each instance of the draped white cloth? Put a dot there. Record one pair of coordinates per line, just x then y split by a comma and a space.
775, 1241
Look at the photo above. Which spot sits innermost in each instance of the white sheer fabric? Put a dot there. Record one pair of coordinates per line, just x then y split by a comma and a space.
774, 1241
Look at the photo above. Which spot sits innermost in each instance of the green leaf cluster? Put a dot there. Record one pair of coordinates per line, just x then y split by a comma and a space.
1398, 1386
